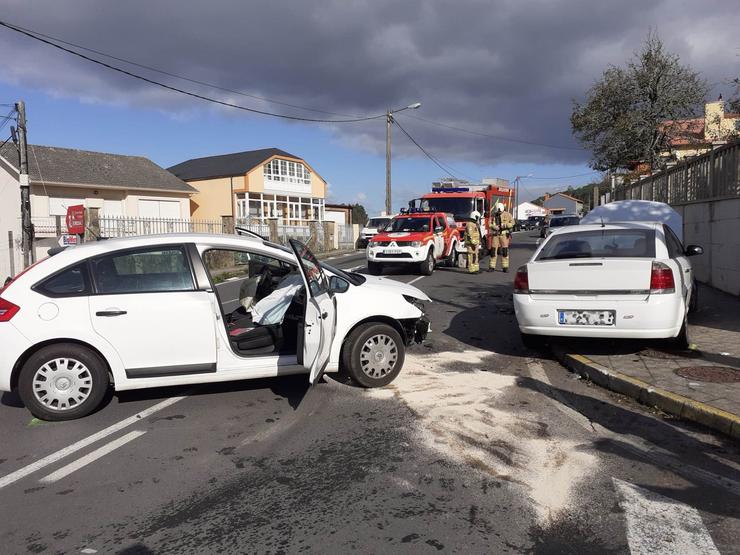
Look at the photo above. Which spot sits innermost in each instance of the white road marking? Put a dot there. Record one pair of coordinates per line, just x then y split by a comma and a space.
640, 447
91, 457
658, 525
54, 457
415, 280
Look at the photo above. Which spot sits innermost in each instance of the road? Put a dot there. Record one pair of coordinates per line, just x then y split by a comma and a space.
479, 446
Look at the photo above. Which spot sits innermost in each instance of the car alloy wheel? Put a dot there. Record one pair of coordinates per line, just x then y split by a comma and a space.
378, 356
62, 384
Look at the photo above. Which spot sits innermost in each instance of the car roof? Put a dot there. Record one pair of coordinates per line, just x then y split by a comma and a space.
78, 253
612, 225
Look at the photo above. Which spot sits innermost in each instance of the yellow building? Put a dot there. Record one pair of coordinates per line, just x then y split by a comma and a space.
694, 136
253, 186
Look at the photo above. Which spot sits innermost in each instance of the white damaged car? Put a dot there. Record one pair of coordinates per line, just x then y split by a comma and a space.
184, 309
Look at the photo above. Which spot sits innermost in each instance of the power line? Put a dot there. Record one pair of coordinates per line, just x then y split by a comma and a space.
490, 136
31, 34
448, 170
176, 76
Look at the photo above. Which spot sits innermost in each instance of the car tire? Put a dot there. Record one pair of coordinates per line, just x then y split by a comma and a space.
533, 342
694, 302
450, 260
374, 268
683, 340
373, 354
427, 267
81, 375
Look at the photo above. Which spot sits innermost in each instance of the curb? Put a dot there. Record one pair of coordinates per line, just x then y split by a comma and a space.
647, 394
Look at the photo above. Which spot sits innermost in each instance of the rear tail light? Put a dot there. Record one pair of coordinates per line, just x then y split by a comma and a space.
521, 281
661, 279
7, 310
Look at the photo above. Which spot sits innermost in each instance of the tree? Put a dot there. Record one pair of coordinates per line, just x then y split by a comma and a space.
359, 215
630, 114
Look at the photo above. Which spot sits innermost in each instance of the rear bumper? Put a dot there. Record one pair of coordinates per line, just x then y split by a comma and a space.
657, 317
12, 345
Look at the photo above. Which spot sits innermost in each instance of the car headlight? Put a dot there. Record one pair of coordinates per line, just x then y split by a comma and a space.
414, 301
416, 244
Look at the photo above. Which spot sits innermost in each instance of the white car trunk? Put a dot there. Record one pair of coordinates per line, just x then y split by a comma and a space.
602, 278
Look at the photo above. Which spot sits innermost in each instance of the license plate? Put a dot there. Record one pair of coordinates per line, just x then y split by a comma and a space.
392, 251
586, 317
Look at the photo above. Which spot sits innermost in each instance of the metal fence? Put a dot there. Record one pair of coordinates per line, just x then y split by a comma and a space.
125, 226
711, 176
346, 236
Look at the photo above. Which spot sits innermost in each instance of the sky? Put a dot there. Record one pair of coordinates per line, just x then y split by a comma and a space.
506, 69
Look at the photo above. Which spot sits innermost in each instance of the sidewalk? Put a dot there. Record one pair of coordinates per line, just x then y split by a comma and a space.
701, 385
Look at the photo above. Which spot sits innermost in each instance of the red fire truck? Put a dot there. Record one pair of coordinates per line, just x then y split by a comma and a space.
460, 201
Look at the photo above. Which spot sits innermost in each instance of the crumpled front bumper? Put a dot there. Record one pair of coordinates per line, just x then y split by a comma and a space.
416, 329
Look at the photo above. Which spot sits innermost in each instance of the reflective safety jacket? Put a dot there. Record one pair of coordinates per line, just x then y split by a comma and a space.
472, 234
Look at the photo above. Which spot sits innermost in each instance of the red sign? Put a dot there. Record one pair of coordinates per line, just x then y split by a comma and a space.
76, 219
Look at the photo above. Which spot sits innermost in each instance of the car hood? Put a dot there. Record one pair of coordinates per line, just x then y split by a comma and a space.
403, 236
391, 285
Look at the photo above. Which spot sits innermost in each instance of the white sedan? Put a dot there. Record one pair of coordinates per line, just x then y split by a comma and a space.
619, 280
184, 309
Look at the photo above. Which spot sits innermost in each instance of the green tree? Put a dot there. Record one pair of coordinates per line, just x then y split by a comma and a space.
630, 113
359, 215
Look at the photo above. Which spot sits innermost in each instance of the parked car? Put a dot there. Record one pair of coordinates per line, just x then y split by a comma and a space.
419, 238
183, 309
558, 220
533, 222
619, 280
371, 228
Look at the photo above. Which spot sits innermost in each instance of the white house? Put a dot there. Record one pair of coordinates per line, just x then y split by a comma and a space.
527, 209
117, 185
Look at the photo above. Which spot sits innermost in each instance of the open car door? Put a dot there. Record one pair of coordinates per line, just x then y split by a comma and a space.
321, 313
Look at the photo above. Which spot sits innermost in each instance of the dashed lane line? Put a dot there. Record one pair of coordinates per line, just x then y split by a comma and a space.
81, 444
91, 457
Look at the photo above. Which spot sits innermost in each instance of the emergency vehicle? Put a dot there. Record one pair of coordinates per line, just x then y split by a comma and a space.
461, 200
419, 238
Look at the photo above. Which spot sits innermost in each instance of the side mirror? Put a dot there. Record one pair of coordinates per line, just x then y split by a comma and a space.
338, 285
694, 250
438, 229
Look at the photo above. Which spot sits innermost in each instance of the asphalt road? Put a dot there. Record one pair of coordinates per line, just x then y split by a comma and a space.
479, 447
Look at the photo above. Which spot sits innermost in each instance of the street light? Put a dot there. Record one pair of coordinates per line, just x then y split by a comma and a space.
388, 123
516, 193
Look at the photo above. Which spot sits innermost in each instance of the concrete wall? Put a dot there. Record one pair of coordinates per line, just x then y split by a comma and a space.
213, 198
11, 259
715, 226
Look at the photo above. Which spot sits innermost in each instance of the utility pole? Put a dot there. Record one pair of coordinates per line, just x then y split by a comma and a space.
388, 123
514, 209
24, 180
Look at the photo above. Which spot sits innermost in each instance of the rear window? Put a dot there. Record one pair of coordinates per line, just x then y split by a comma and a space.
606, 243
560, 222
377, 222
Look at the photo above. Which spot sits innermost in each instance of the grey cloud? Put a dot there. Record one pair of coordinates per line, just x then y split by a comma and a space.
501, 67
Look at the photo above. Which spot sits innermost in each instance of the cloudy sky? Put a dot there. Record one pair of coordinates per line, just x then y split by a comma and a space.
507, 69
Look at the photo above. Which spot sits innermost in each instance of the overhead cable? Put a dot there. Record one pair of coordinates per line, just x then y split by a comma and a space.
176, 76
438, 163
34, 36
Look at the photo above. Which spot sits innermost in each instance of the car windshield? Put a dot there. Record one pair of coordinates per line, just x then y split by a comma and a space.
377, 222
459, 207
606, 243
560, 222
410, 224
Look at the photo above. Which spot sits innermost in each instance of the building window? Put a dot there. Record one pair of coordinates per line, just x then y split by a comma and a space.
287, 171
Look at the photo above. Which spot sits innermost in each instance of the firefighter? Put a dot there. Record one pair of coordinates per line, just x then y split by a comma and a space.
472, 242
502, 222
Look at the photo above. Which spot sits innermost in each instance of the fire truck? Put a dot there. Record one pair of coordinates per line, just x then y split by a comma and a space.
462, 198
